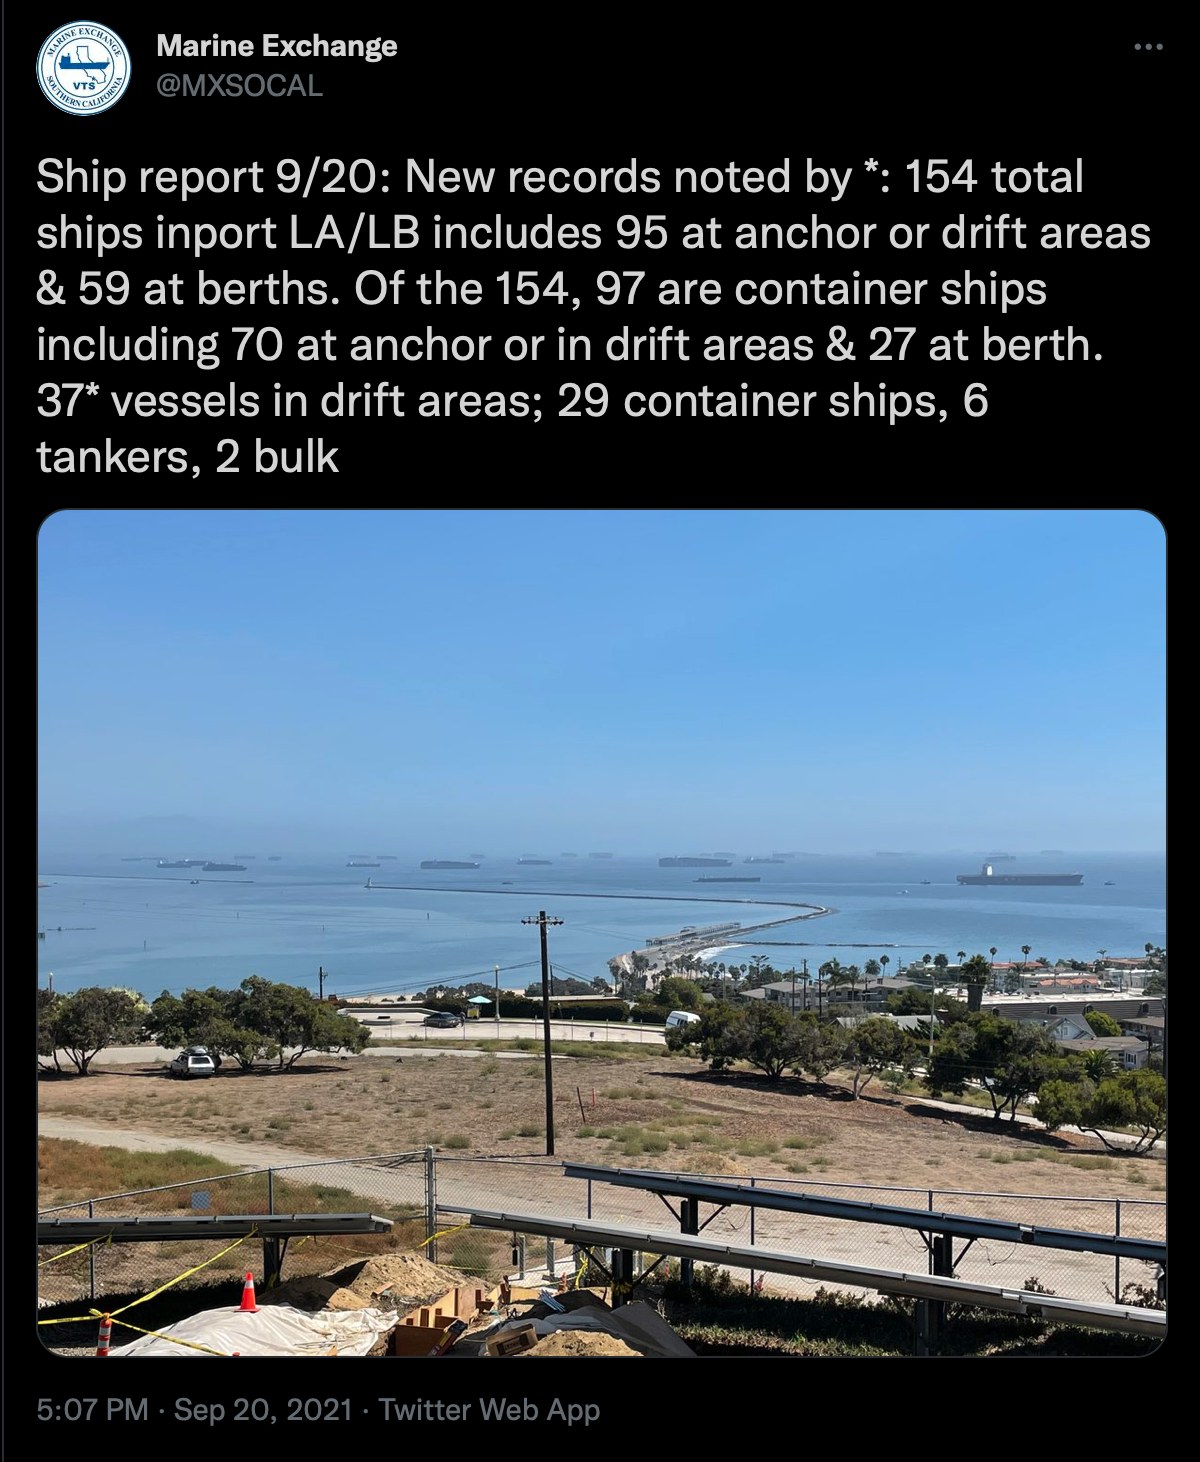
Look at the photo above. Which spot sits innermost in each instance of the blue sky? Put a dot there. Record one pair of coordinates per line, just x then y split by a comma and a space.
657, 681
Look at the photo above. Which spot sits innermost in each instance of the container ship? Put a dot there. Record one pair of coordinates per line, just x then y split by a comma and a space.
739, 878
180, 862
694, 862
446, 863
275, 858
764, 860
541, 862
987, 876
224, 868
360, 863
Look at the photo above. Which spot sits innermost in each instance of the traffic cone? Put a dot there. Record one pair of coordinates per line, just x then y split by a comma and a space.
247, 1306
105, 1335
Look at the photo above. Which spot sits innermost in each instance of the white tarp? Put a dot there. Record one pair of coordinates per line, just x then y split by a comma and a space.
274, 1330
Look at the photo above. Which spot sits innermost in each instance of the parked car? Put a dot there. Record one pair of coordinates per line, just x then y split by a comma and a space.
442, 1019
679, 1017
204, 1051
191, 1065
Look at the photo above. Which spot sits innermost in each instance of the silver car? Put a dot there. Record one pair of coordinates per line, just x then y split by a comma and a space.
190, 1065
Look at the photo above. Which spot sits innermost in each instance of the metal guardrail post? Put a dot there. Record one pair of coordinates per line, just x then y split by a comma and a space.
270, 1190
91, 1258
521, 1256
1117, 1257
431, 1203
689, 1223
753, 1211
589, 1186
550, 1257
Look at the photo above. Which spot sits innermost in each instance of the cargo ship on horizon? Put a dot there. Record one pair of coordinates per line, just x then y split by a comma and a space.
735, 878
694, 862
986, 876
224, 868
447, 863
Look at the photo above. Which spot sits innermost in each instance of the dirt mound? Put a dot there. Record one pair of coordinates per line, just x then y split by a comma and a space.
580, 1342
385, 1281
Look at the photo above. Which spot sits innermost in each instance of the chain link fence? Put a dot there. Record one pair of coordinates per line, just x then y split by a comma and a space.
422, 1193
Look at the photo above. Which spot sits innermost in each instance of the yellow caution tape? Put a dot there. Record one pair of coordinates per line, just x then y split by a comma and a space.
174, 1339
441, 1234
194, 1270
104, 1239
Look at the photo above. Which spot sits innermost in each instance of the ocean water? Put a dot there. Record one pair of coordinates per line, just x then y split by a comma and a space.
114, 923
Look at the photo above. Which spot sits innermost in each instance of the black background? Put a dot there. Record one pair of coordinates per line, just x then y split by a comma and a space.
602, 88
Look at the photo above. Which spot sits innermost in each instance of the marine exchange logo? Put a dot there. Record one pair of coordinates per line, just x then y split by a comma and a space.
83, 68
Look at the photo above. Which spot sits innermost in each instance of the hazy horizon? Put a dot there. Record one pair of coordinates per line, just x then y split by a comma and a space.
436, 683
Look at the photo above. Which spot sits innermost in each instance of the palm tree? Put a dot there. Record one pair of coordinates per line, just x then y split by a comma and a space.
804, 978
852, 973
831, 972
1097, 1065
992, 952
962, 954
871, 969
885, 960
1025, 948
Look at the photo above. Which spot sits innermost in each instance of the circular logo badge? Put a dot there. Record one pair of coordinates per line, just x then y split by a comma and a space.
83, 68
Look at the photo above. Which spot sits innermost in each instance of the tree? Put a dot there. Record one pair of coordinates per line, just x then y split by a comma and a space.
852, 973
941, 963
600, 986
885, 960
992, 952
1102, 1023
1097, 1065
212, 1018
975, 972
1025, 948
288, 1015
872, 1046
93, 1018
718, 1033
962, 954
1012, 982
872, 968
1133, 1099
1156, 985
1012, 1059
773, 1039
677, 993
47, 1045
820, 1049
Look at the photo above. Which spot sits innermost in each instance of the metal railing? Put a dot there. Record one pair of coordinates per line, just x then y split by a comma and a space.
422, 1191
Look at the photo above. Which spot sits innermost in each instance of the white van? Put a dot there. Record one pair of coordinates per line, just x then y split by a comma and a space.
680, 1017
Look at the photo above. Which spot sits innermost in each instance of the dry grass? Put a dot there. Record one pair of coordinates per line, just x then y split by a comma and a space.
665, 1112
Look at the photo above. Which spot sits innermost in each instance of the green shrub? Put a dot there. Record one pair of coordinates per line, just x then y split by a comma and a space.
529, 1130
586, 1132
458, 1140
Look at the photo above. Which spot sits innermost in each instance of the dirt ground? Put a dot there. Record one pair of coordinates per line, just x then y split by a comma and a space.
651, 1112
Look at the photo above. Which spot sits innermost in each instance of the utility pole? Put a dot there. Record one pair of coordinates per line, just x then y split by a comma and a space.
806, 985
321, 982
497, 1002
793, 989
543, 922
